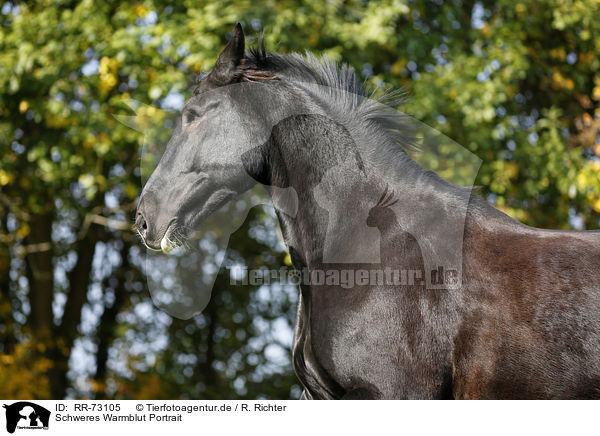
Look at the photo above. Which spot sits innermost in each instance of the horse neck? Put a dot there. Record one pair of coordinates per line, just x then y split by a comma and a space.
338, 180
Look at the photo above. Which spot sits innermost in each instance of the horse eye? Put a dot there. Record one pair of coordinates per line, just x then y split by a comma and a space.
190, 115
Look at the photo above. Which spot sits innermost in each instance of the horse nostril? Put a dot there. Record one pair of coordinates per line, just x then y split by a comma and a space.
141, 223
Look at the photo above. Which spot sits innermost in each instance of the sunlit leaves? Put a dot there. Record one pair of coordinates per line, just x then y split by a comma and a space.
22, 376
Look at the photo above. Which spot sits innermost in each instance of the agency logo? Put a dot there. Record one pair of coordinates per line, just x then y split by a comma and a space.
26, 415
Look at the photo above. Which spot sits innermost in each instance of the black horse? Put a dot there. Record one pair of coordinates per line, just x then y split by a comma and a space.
521, 319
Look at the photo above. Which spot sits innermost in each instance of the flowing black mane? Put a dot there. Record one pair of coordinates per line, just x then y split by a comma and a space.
391, 133
378, 109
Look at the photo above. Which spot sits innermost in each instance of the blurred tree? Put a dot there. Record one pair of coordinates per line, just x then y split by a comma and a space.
515, 83
69, 177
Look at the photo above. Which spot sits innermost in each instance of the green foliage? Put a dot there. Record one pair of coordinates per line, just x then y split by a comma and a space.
523, 97
515, 83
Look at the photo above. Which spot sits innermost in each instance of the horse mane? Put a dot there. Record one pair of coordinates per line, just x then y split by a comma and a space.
392, 135
377, 109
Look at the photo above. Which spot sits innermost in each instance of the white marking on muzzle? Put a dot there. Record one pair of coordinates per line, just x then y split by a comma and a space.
166, 245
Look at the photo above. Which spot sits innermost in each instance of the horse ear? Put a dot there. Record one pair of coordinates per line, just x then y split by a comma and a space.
226, 67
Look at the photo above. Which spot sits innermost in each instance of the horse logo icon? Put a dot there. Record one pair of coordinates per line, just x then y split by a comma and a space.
26, 415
